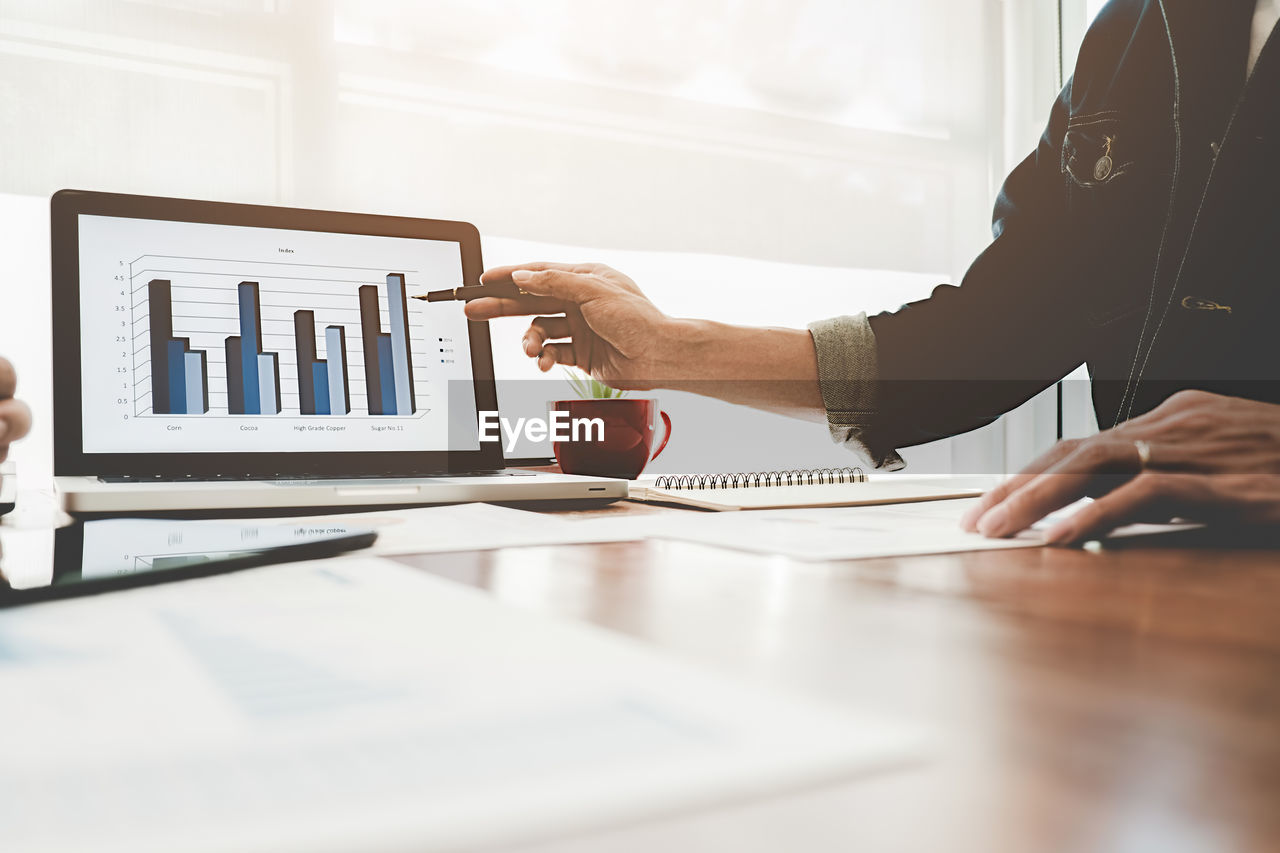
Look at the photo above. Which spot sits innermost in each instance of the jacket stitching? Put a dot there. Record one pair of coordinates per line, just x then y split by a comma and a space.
1074, 121
1106, 318
1074, 125
1168, 217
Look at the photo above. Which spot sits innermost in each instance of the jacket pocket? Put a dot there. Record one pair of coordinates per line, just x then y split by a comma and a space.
1094, 151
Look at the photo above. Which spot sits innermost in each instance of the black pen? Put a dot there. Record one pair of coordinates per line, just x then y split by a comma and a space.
472, 291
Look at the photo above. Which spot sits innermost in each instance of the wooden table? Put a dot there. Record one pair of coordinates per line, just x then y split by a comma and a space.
1117, 701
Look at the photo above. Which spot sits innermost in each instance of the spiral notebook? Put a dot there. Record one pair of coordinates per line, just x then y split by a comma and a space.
789, 489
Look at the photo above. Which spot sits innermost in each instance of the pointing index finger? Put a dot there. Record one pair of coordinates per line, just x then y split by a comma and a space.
490, 307
503, 273
574, 287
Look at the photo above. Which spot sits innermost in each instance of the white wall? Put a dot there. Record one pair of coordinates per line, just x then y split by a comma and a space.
842, 137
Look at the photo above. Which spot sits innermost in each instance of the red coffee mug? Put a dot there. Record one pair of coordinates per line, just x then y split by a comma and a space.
628, 428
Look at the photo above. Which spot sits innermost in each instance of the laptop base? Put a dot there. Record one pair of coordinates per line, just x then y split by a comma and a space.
94, 496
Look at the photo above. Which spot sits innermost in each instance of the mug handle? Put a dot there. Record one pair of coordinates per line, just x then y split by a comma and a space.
666, 423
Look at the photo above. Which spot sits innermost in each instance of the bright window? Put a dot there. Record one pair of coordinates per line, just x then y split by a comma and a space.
854, 145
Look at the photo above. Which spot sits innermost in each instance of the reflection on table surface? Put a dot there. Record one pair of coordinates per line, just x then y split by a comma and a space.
1121, 700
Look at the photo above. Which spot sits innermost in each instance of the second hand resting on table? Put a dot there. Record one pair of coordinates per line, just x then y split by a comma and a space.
1209, 457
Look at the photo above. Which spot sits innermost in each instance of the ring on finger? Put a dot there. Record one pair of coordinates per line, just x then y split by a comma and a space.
1144, 454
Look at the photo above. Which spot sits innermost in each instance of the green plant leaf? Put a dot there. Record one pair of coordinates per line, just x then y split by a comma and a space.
589, 388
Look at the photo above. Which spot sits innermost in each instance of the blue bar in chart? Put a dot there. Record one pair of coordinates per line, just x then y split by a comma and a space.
335, 345
268, 383
402, 359
320, 387
197, 381
175, 359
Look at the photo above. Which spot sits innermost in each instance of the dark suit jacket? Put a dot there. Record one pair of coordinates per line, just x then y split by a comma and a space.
1141, 237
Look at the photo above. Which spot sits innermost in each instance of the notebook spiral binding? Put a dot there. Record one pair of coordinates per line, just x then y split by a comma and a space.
755, 479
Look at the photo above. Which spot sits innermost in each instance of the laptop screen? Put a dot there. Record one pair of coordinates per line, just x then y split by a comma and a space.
197, 337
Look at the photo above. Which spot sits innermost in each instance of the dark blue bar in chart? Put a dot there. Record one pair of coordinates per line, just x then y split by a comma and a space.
250, 346
175, 362
386, 369
320, 387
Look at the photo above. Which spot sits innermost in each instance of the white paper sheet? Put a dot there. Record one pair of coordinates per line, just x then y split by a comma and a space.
466, 527
846, 533
356, 704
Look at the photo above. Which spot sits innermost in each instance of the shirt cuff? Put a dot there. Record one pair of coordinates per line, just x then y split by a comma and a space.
848, 377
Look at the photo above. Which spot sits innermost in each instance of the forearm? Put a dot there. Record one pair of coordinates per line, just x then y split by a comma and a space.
767, 368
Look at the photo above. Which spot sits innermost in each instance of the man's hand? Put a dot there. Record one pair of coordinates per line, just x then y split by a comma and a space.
1211, 458
15, 417
609, 328
613, 332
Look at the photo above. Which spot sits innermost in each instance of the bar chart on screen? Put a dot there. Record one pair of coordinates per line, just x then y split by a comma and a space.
236, 338
200, 337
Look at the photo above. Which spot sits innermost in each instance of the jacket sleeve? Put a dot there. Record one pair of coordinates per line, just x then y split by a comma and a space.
966, 355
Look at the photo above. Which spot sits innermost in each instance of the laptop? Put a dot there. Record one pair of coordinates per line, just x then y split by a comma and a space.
212, 356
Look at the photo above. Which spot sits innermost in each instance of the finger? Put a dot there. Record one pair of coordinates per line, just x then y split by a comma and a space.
8, 379
558, 284
1153, 423
1148, 493
541, 330
1064, 483
490, 308
553, 354
1147, 419
15, 421
586, 343
969, 521
503, 273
